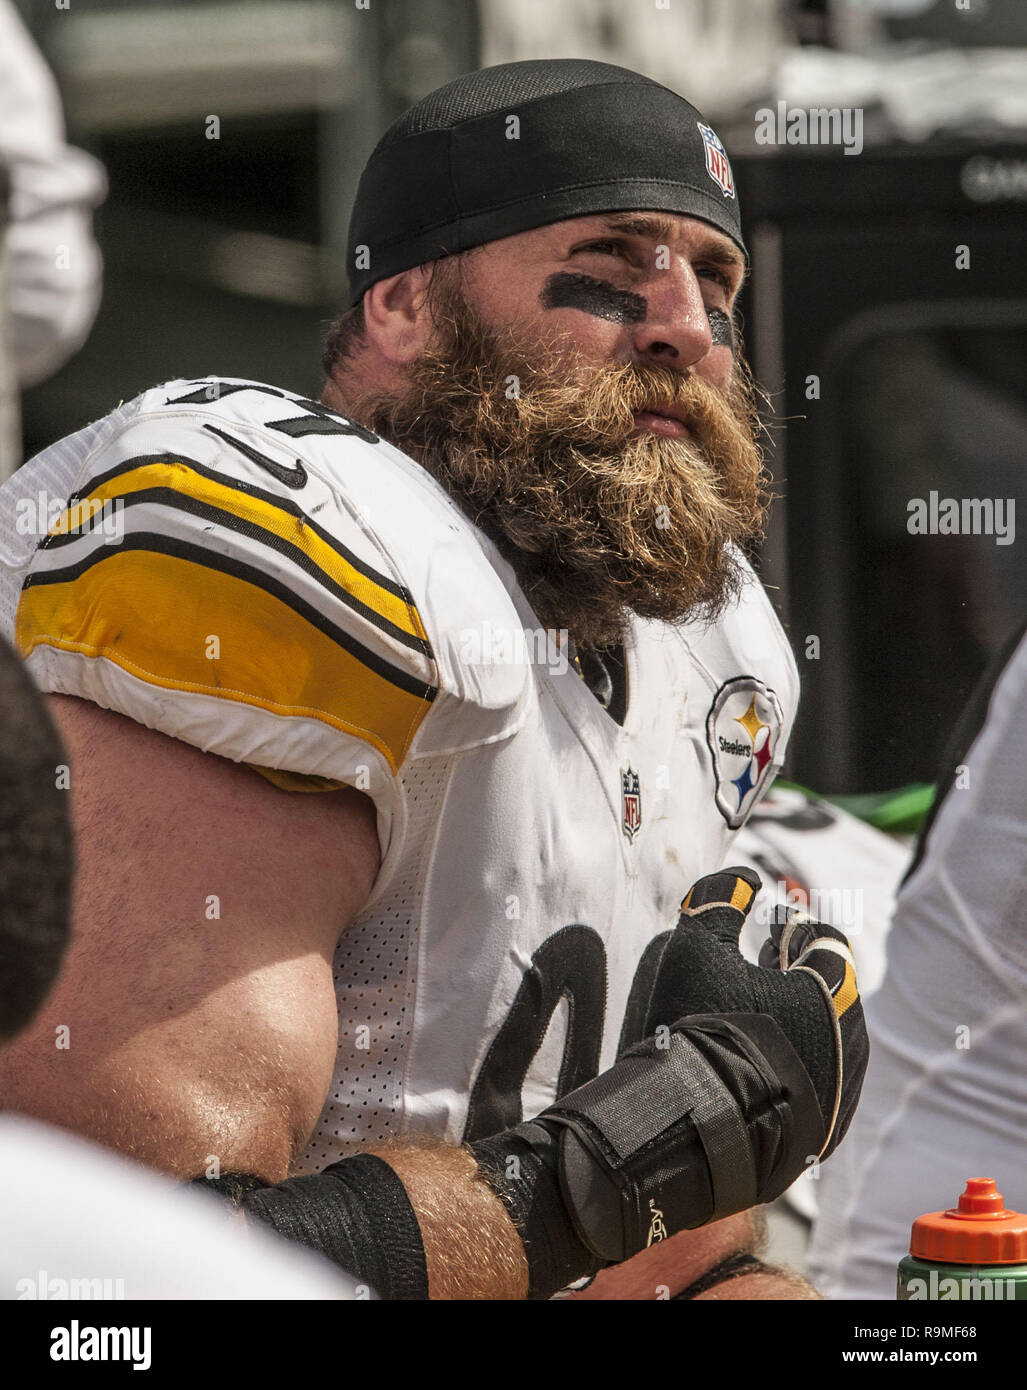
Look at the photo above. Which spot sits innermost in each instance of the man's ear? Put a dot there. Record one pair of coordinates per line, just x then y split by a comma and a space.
396, 315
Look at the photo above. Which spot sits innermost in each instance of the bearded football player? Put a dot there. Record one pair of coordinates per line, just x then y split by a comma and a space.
400, 723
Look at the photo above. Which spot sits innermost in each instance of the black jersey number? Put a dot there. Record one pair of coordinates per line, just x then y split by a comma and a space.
571, 965
320, 420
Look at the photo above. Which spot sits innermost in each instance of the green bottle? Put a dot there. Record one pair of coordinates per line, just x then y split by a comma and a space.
977, 1251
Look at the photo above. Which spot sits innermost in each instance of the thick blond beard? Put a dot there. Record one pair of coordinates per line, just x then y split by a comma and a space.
541, 451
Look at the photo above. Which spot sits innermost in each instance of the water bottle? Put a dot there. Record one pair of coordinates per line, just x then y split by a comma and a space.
977, 1250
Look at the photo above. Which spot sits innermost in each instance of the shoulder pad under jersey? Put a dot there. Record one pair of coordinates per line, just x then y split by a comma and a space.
247, 570
746, 663
748, 636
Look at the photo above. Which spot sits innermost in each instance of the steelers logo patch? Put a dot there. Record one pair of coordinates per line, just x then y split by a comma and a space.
743, 728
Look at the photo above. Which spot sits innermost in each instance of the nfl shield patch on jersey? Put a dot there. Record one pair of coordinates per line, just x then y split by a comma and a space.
742, 729
631, 804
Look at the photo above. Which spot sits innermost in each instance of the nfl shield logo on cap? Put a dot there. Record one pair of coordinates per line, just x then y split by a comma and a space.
717, 165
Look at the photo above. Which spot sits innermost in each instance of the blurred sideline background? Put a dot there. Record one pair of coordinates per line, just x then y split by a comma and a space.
233, 134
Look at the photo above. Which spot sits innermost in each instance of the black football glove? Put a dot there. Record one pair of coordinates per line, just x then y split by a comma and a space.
805, 981
743, 1075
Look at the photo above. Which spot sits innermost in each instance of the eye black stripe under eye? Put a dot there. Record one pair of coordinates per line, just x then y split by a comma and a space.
568, 291
722, 329
583, 292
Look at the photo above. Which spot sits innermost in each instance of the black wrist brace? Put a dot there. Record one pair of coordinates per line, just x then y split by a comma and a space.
669, 1138
522, 1168
355, 1212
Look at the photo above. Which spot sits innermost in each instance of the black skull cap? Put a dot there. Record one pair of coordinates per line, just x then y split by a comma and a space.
521, 145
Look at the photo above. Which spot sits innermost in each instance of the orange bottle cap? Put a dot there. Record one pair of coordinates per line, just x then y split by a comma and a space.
980, 1231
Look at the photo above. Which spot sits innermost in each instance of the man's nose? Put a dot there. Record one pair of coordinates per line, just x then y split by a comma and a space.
676, 328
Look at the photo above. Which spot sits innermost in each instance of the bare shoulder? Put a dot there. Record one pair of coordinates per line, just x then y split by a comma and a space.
165, 797
195, 1015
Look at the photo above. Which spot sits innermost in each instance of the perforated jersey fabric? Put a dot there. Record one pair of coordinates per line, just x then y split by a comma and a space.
37, 492
374, 972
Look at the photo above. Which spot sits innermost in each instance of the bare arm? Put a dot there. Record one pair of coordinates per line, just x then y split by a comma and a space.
664, 1270
472, 1248
198, 996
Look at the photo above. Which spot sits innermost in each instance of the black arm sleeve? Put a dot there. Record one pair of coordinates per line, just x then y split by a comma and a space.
355, 1212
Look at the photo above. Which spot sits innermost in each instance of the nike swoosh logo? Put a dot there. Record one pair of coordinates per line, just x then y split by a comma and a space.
292, 477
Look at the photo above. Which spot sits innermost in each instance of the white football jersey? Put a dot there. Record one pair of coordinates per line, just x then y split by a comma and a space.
945, 1095
80, 1222
244, 569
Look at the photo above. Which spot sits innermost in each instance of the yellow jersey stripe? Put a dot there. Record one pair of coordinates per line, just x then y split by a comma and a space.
183, 484
152, 606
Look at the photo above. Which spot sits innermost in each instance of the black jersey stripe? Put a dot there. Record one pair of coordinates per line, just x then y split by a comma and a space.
271, 499
179, 501
207, 559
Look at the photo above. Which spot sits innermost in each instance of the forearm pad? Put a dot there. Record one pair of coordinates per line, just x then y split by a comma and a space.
721, 1118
